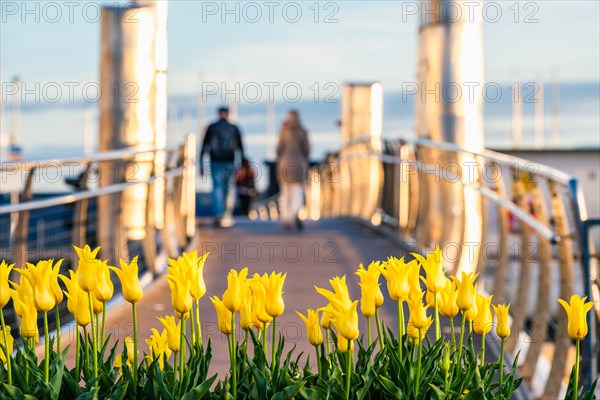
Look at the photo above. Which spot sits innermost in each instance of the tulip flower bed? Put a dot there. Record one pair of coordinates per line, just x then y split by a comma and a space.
402, 362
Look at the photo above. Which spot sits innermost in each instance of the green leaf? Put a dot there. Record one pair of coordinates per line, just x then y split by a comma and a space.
199, 391
289, 392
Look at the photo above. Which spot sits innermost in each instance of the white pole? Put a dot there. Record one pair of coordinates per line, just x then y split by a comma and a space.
555, 135
539, 116
88, 147
271, 130
517, 126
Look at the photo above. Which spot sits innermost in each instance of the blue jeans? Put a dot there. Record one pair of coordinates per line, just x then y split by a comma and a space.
221, 172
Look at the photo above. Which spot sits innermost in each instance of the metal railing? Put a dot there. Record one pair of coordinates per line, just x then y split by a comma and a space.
532, 244
152, 189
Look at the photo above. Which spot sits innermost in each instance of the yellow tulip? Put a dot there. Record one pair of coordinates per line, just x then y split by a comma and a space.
342, 344
502, 327
72, 286
259, 296
23, 292
129, 349
158, 346
429, 299
345, 318
4, 288
326, 320
173, 331
130, 281
224, 316
39, 277
246, 320
234, 294
8, 345
87, 267
435, 276
466, 291
401, 278
447, 301
340, 291
29, 316
197, 285
577, 310
104, 287
371, 274
482, 324
371, 296
413, 332
418, 311
54, 286
274, 294
313, 329
471, 313
181, 299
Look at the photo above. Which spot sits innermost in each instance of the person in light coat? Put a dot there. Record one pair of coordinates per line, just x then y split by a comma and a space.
293, 149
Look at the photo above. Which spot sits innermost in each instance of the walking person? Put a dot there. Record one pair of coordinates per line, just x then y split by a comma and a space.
292, 168
222, 142
245, 185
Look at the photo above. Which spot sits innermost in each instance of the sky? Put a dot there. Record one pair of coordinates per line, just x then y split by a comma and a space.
317, 45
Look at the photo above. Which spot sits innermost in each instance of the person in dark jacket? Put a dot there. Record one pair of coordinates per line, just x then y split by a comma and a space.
222, 142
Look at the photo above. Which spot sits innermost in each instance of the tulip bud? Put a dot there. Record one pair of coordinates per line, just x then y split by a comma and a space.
274, 293
446, 358
8, 345
466, 291
87, 267
577, 310
482, 324
233, 297
130, 281
502, 327
224, 316
313, 329
173, 331
4, 288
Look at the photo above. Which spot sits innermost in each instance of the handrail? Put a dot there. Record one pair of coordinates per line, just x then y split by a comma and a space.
489, 194
88, 194
502, 159
102, 156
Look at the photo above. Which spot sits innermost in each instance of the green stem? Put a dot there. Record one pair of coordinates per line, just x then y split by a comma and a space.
438, 333
135, 345
482, 349
193, 329
501, 362
400, 328
328, 344
418, 381
77, 351
318, 361
181, 347
576, 386
94, 338
264, 341
234, 357
273, 346
460, 343
103, 329
8, 356
86, 346
369, 330
47, 349
452, 332
349, 356
378, 322
97, 330
57, 317
198, 323
245, 353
